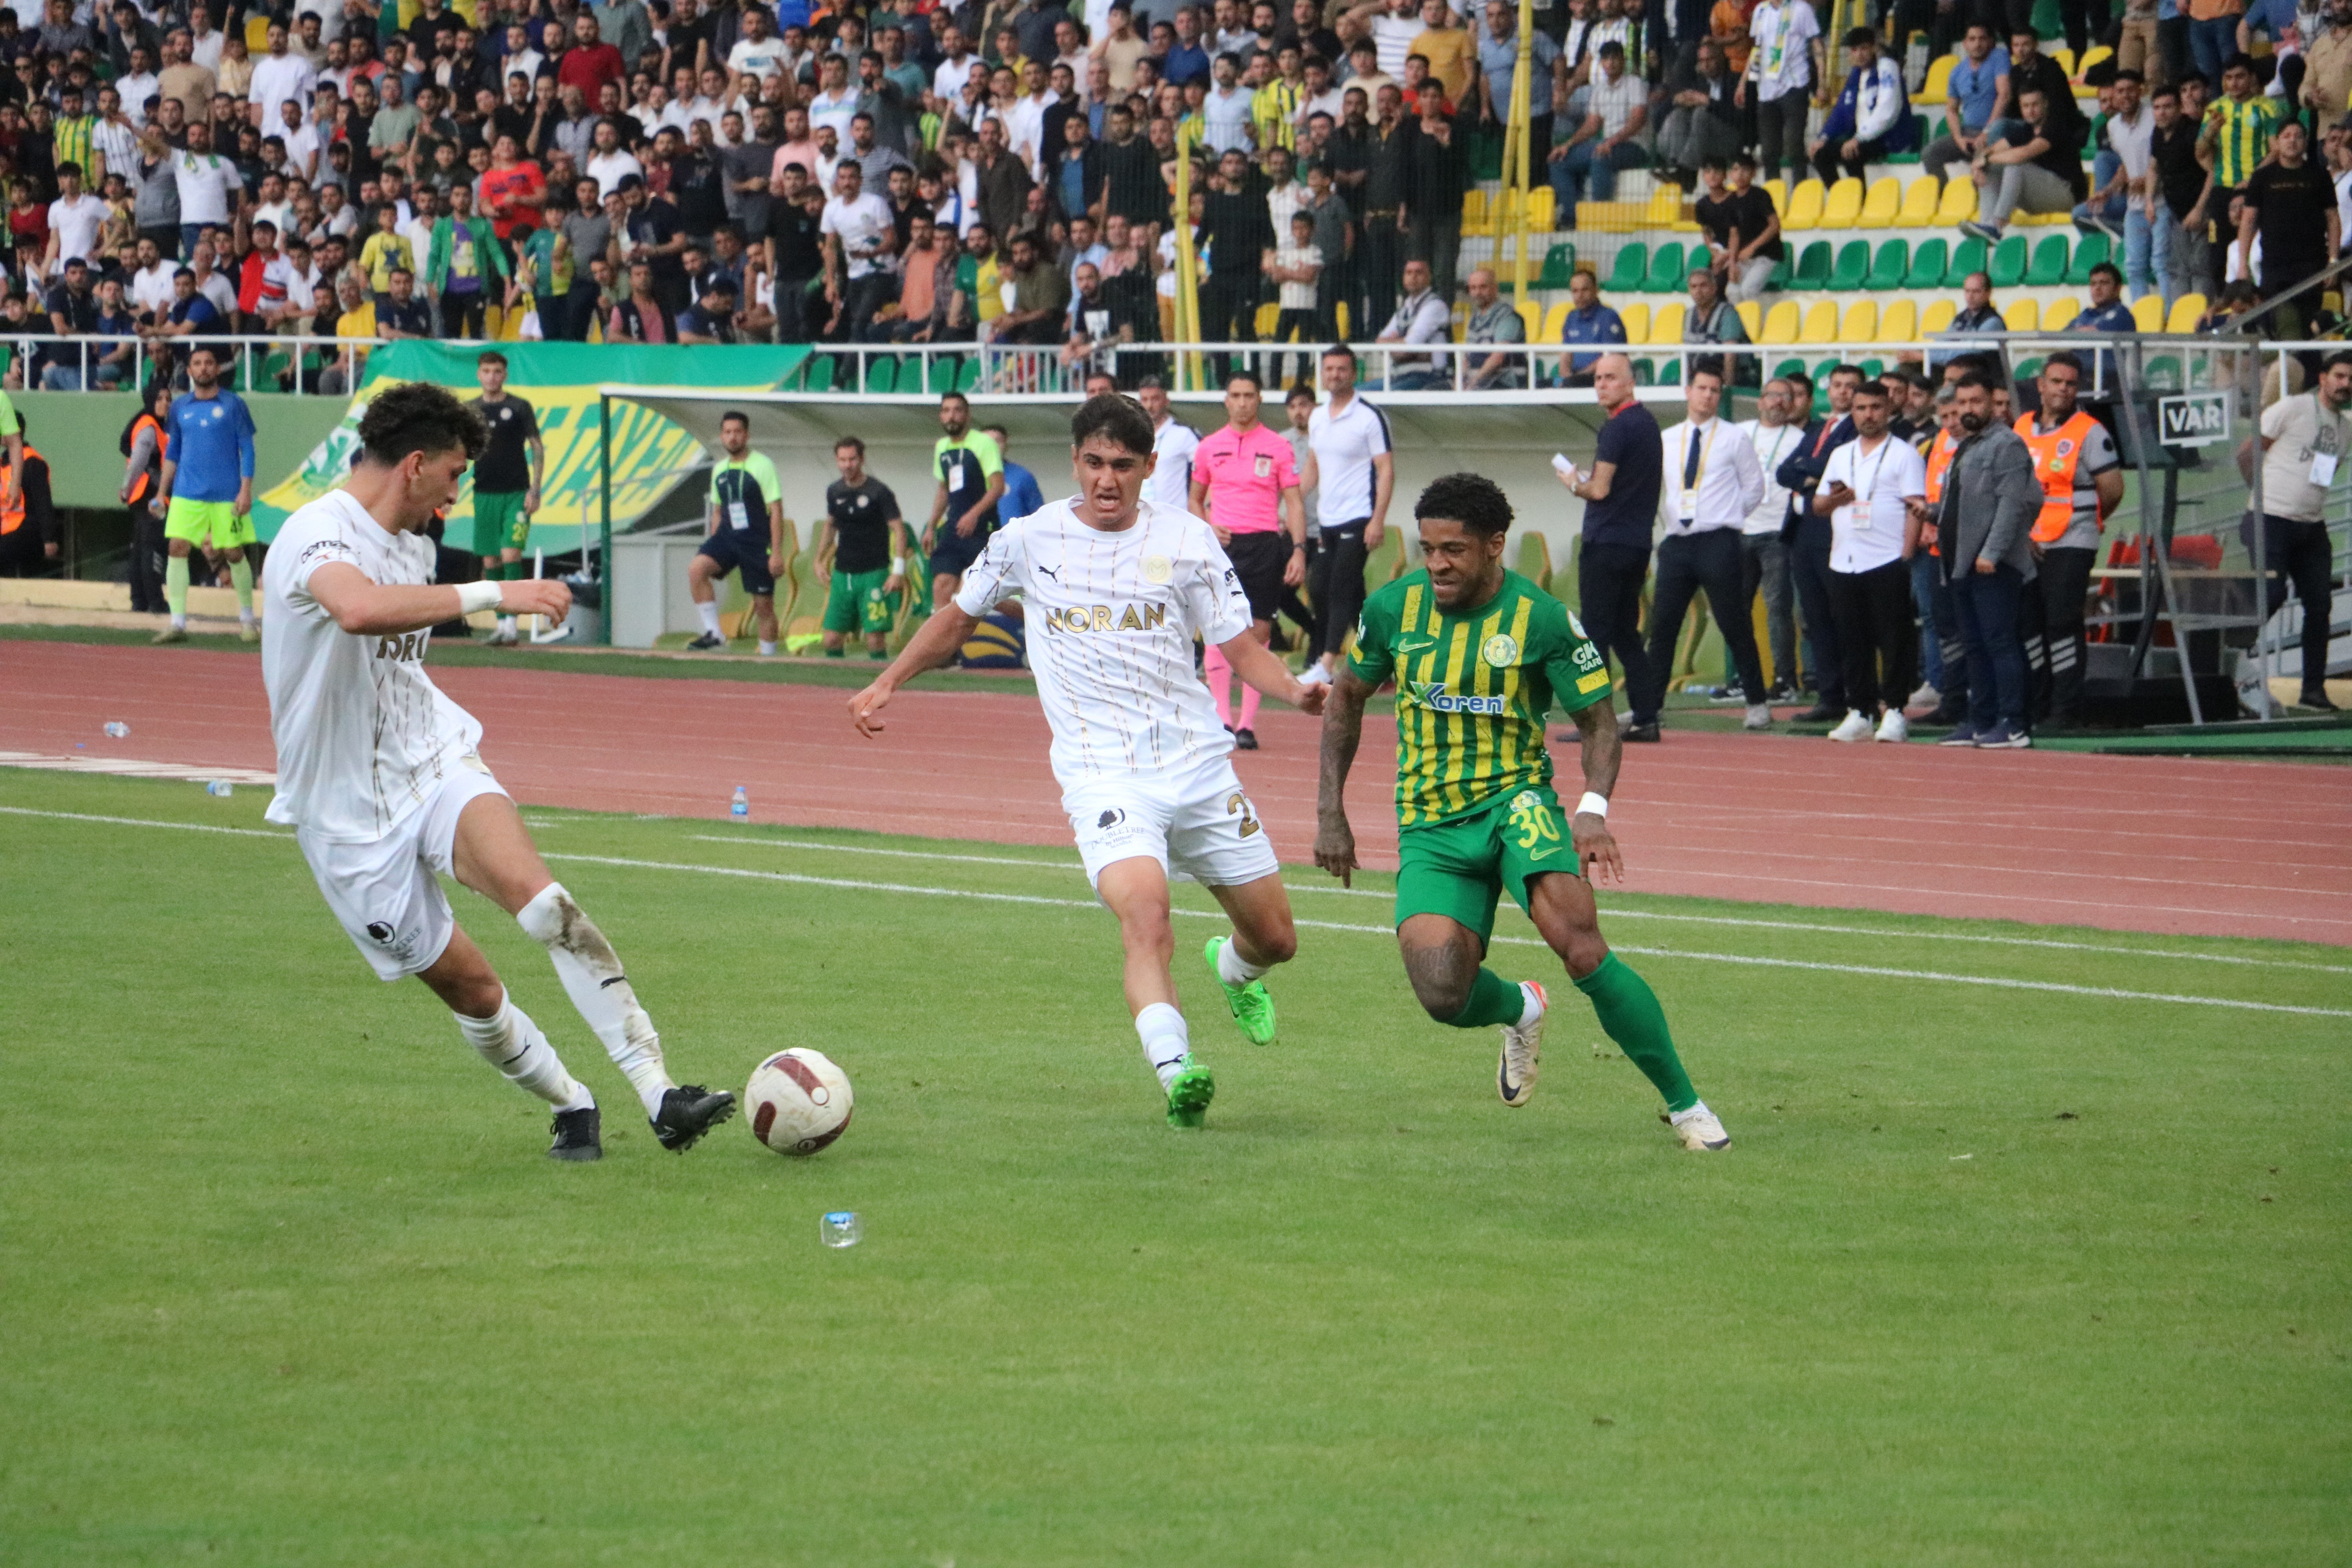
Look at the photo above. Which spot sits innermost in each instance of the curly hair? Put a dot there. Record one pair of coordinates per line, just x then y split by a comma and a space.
1474, 500
418, 416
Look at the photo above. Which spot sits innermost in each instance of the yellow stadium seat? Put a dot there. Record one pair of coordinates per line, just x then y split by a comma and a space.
2092, 56
2147, 313
1267, 315
2060, 313
1666, 326
1939, 317
1899, 322
1461, 324
1778, 190
1780, 326
2065, 56
1531, 317
1804, 209
1821, 323
1637, 322
1861, 324
1474, 212
1958, 203
1543, 210
1751, 316
2040, 220
1939, 81
1341, 312
1882, 204
1844, 206
1919, 199
2185, 313
1555, 322
2022, 316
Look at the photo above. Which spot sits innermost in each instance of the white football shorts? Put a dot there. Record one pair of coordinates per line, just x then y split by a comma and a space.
386, 893
1197, 822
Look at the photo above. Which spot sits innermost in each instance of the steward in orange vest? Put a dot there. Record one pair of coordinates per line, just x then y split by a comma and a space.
30, 534
2066, 444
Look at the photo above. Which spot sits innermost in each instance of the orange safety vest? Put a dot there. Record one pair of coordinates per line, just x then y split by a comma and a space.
2055, 454
1940, 453
14, 518
145, 482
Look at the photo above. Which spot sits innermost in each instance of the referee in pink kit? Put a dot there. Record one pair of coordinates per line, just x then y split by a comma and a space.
1245, 484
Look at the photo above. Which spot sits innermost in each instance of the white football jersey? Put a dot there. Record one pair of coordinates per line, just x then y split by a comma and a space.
363, 733
1110, 622
1171, 484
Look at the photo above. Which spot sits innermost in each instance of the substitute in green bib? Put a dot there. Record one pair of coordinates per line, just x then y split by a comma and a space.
864, 571
747, 533
1481, 656
505, 481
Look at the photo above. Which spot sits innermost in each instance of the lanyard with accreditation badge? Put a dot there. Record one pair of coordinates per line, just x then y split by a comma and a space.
1688, 504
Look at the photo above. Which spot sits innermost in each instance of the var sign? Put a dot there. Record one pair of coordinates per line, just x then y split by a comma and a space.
2193, 419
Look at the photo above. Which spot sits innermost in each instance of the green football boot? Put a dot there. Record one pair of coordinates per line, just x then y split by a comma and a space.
1253, 1008
1188, 1094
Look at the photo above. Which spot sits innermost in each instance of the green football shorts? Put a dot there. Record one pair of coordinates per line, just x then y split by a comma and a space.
193, 520
499, 522
1459, 867
857, 603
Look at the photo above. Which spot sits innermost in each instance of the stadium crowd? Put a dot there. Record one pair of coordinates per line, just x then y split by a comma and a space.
913, 172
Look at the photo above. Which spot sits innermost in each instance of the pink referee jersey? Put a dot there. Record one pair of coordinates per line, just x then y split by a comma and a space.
1247, 475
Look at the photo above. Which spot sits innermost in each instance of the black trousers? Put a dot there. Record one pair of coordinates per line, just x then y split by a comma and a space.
1229, 313
1876, 634
1831, 162
1714, 562
1945, 616
146, 562
1609, 589
2084, 21
1808, 564
580, 307
2299, 552
1379, 262
1335, 580
2054, 618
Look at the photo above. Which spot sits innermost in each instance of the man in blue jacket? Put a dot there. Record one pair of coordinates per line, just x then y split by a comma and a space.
1872, 118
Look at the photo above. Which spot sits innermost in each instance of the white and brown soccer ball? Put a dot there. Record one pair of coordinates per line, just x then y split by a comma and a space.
799, 1101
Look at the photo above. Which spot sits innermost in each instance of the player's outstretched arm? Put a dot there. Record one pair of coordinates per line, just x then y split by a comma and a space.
1596, 848
1343, 729
937, 643
365, 608
1262, 669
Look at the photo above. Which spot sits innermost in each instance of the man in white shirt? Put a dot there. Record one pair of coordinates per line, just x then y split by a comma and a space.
608, 162
75, 219
151, 286
1776, 432
379, 775
205, 40
204, 180
302, 147
859, 236
1024, 123
1865, 493
1226, 125
1787, 59
1351, 468
1391, 25
134, 86
279, 75
1116, 589
757, 54
835, 103
1169, 484
1711, 483
957, 64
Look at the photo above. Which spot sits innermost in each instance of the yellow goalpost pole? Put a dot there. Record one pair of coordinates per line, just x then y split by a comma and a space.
1517, 176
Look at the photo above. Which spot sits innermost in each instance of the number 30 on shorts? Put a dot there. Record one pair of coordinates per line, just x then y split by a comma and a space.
1237, 804
1533, 820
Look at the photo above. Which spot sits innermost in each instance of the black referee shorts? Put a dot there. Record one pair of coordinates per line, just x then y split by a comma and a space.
1259, 559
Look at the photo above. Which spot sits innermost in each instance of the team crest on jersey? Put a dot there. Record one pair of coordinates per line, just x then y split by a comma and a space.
1433, 695
1502, 650
1262, 468
1158, 568
1576, 626
1525, 800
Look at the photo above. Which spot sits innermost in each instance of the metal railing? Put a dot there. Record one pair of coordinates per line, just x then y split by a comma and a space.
89, 362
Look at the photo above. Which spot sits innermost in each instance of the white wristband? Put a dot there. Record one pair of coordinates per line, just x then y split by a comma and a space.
1598, 805
477, 596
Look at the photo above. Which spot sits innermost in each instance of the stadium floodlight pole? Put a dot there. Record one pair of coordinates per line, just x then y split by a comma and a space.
1517, 181
1188, 294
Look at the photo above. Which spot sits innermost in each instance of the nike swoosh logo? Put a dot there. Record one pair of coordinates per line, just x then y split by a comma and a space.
1414, 646
1544, 853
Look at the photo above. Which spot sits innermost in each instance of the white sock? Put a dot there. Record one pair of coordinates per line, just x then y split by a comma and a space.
179, 623
506, 624
245, 615
1167, 1043
709, 610
1232, 968
767, 650
592, 976
1534, 1007
512, 1043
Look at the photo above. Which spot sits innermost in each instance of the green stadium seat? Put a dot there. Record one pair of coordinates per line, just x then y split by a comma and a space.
1871, 369
1633, 269
2163, 374
1669, 272
2049, 265
1789, 367
1853, 268
2089, 251
1890, 266
1645, 373
1781, 273
882, 374
816, 375
1813, 266
1670, 373
969, 376
2028, 369
1968, 257
1928, 265
2008, 263
943, 375
1559, 268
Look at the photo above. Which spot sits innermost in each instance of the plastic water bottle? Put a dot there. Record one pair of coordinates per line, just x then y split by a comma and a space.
739, 809
220, 787
838, 1229
116, 729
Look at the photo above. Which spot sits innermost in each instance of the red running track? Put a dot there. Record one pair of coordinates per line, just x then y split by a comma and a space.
2232, 849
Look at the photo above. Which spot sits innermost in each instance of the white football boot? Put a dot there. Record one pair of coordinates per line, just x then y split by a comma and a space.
1515, 1078
1698, 1127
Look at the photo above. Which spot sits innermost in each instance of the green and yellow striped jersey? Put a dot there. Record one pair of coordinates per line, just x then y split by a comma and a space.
1474, 690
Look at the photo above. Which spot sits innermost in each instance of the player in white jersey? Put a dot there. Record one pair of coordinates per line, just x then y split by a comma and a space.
378, 776
1173, 442
1115, 588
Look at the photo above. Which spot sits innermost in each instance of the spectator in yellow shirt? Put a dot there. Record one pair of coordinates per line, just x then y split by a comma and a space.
1448, 48
386, 250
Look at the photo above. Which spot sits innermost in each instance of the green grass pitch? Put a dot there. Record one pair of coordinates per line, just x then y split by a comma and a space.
1991, 1275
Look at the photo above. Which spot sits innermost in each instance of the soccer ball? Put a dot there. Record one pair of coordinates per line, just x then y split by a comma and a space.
799, 1101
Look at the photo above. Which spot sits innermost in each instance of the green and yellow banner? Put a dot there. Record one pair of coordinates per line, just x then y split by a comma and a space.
650, 454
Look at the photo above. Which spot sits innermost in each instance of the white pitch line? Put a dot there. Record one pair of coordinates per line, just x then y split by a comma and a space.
855, 885
144, 822
1613, 912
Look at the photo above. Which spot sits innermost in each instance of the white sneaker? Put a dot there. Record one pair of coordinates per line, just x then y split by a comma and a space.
1855, 728
1315, 674
1760, 717
1925, 697
1894, 727
1515, 1078
1699, 1129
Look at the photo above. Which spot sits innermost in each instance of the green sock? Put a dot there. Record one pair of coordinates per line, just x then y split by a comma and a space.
175, 586
1630, 1012
240, 573
836, 653
878, 653
1493, 1000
